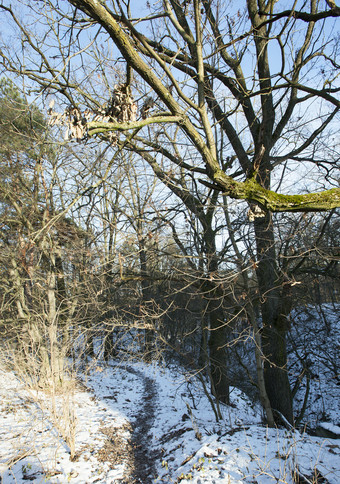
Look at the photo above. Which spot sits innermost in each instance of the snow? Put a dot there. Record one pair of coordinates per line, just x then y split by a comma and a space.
314, 338
122, 413
335, 429
185, 439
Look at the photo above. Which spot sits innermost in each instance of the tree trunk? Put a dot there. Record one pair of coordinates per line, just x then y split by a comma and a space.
109, 350
217, 342
149, 334
217, 356
214, 294
203, 350
274, 320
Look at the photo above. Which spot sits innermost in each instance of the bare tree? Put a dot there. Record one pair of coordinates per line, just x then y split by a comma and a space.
264, 74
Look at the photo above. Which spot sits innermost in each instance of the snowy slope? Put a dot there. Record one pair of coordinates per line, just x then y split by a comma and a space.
130, 422
181, 441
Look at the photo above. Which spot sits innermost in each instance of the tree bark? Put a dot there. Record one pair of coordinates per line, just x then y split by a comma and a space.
274, 320
149, 335
217, 331
217, 353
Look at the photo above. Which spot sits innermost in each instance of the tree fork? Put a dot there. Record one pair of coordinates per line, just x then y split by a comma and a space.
248, 190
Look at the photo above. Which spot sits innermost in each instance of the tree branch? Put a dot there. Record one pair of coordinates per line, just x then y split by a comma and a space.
95, 127
276, 202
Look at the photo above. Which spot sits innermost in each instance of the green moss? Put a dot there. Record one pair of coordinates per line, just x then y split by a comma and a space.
252, 191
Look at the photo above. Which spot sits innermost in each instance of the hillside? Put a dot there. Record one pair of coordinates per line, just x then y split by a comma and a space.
133, 422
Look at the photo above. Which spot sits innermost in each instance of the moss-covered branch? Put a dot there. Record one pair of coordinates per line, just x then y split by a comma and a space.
250, 189
277, 202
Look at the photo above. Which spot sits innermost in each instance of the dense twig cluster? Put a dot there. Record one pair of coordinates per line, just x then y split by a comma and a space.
121, 108
74, 120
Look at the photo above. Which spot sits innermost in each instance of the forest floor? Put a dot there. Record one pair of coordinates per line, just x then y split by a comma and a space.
140, 423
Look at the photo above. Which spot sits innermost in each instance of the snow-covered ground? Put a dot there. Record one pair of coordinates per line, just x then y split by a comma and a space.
314, 352
132, 415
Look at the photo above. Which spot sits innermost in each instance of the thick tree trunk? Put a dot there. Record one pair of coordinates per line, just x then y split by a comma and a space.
214, 295
217, 341
274, 320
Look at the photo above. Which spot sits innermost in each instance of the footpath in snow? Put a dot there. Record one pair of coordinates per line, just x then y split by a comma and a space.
138, 423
